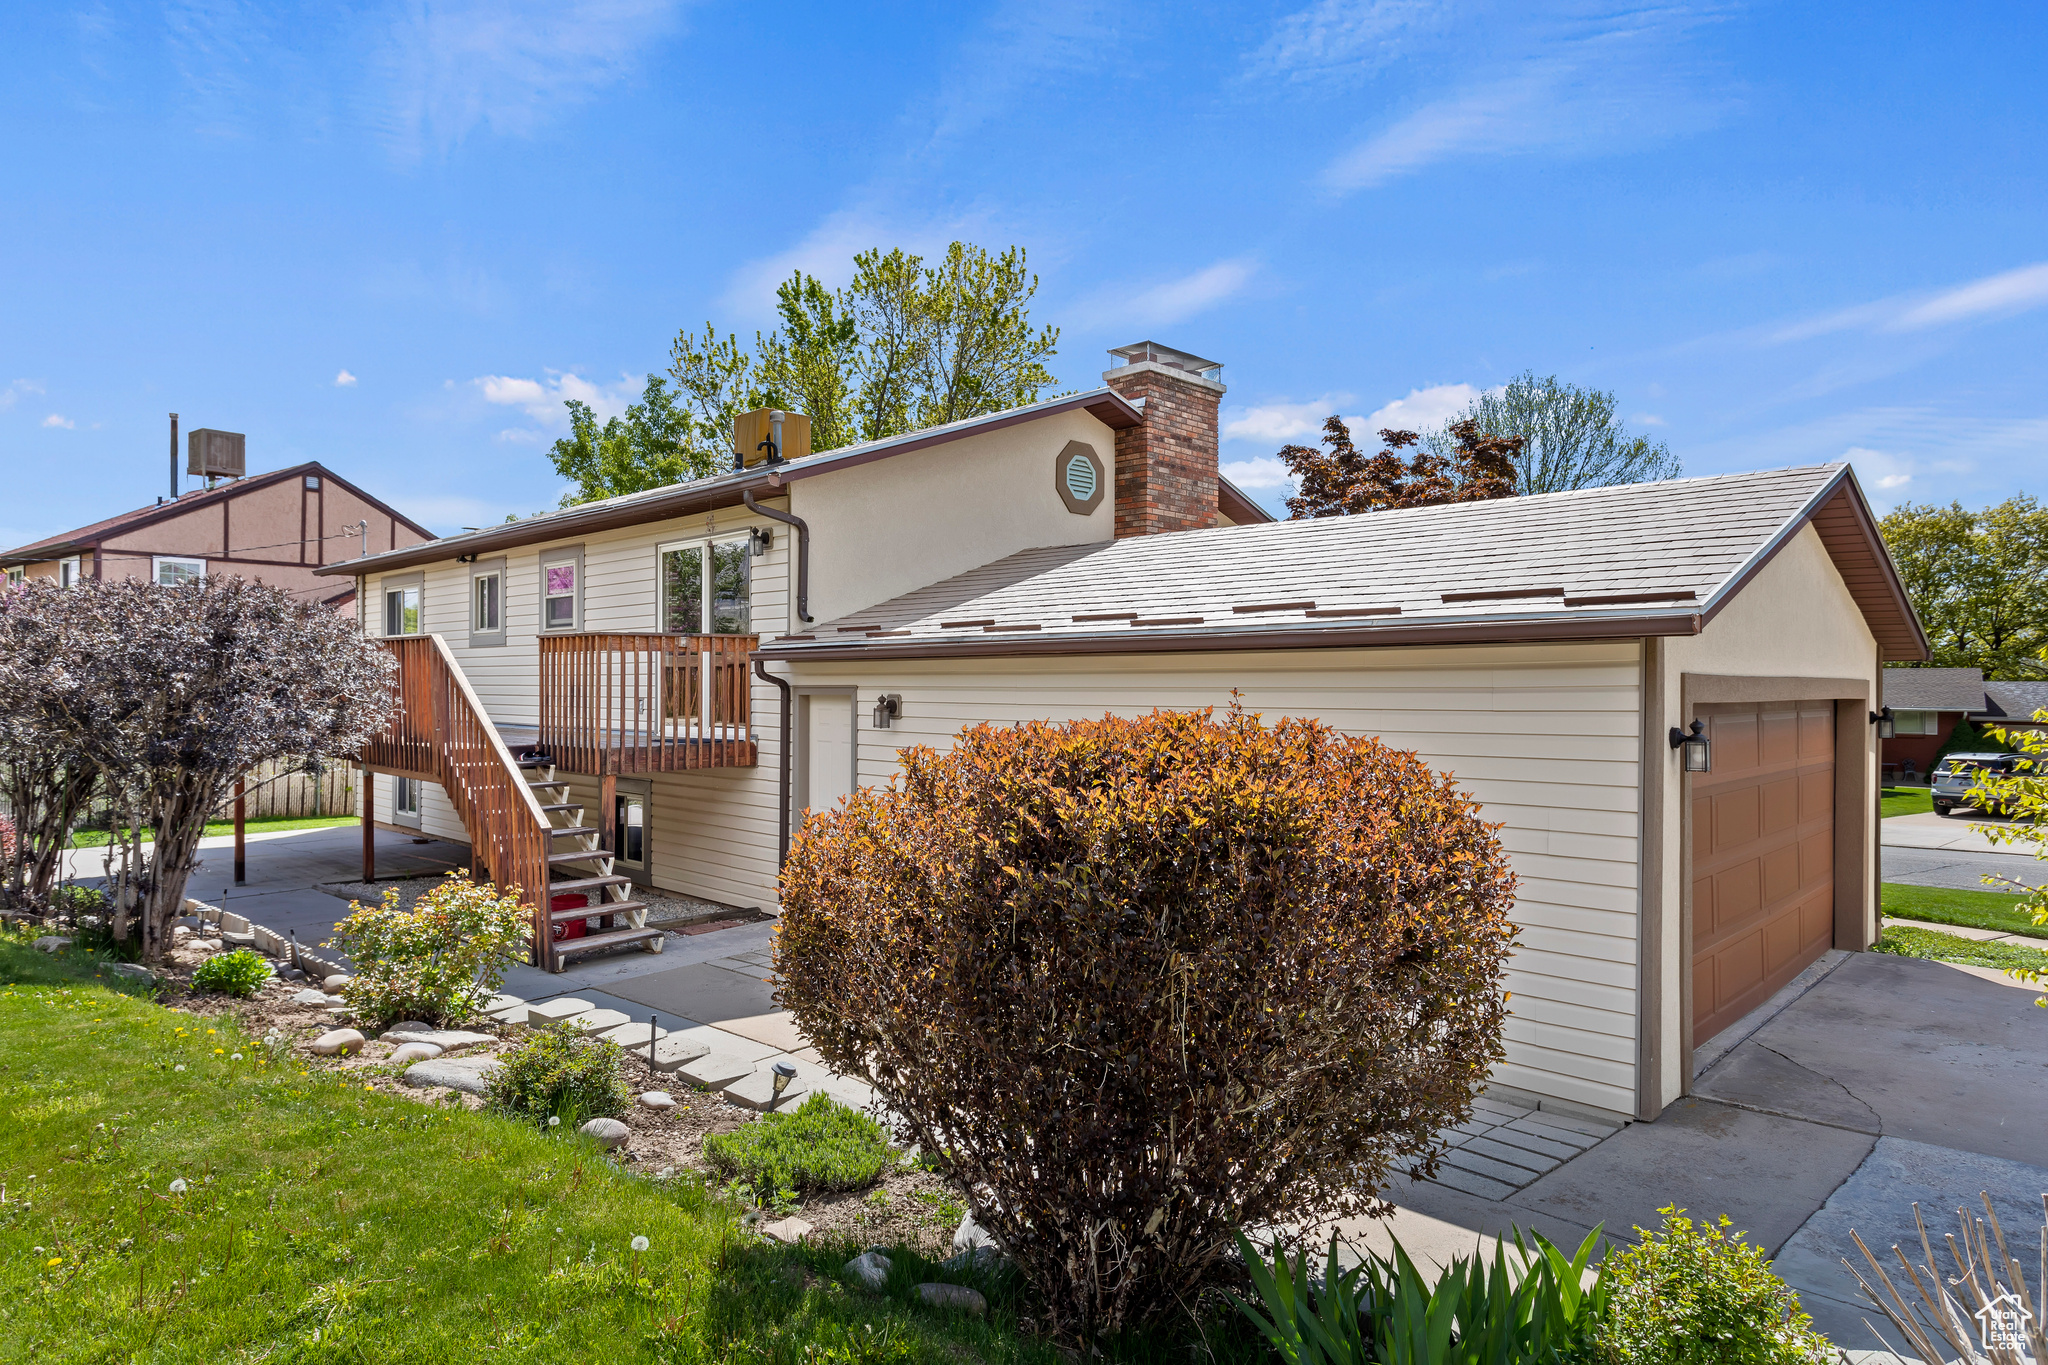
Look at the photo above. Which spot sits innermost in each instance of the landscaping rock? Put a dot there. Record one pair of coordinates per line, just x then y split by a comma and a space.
408, 1026
52, 943
207, 945
790, 1230
446, 1039
135, 971
609, 1132
954, 1296
982, 1258
971, 1234
309, 996
869, 1270
180, 932
290, 974
339, 1042
659, 1100
333, 984
408, 1053
468, 1076
240, 940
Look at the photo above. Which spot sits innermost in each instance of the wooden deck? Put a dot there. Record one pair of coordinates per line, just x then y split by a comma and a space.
646, 703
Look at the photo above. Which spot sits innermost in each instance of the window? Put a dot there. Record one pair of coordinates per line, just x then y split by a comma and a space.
561, 589
708, 587
17, 574
68, 572
402, 611
169, 572
1916, 722
483, 593
405, 801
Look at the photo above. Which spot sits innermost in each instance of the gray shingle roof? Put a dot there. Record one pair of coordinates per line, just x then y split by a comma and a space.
2014, 700
1548, 566
1934, 689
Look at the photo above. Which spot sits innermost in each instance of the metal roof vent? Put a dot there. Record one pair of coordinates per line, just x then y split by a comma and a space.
216, 454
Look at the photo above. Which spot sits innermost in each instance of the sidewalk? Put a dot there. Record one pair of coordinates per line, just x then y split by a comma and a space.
1955, 832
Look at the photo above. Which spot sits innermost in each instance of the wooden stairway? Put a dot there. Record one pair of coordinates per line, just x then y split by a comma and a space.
583, 866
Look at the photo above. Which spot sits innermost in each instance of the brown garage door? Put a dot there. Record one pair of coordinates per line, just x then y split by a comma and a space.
1763, 847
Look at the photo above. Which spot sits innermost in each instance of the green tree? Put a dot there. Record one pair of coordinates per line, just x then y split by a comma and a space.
1570, 437
803, 365
1979, 581
655, 444
978, 352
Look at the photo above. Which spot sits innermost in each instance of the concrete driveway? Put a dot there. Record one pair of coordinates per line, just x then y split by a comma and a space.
1862, 1088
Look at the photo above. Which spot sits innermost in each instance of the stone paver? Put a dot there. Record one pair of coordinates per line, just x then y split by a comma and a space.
593, 1022
673, 1051
557, 1009
716, 1070
1506, 1144
757, 1091
446, 1039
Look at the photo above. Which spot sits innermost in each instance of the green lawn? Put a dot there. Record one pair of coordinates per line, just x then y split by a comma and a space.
1910, 942
97, 838
1976, 909
319, 1222
1907, 801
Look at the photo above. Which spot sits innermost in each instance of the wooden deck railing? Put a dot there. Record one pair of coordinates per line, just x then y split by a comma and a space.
441, 733
647, 703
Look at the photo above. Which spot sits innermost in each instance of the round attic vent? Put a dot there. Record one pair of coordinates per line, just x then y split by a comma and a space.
1078, 476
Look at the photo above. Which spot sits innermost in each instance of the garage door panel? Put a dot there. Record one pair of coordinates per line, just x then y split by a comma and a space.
1763, 855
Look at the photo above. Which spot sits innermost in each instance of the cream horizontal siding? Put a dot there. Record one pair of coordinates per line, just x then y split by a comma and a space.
1547, 737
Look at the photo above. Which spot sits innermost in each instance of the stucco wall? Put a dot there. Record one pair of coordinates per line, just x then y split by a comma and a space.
880, 530
1794, 619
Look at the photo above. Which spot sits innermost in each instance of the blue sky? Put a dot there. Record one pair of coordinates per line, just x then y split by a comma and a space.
392, 236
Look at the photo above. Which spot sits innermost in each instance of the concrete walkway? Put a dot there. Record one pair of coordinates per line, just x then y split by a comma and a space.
1884, 1081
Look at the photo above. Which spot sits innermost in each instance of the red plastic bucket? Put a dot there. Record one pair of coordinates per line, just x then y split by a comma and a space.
570, 928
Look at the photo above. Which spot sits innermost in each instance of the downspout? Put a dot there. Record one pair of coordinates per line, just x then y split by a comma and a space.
803, 555
788, 756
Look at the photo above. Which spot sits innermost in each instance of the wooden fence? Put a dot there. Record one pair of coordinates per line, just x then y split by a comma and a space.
283, 790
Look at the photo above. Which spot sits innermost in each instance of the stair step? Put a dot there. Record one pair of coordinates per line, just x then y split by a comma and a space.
580, 855
586, 884
592, 912
570, 946
541, 762
538, 785
565, 830
561, 805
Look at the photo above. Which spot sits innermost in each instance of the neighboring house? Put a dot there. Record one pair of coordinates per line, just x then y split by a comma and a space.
1928, 703
703, 664
278, 528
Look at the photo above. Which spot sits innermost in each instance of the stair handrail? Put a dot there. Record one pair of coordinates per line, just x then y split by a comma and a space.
497, 741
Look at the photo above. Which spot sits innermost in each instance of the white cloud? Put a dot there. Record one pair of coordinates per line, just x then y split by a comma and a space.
344, 380
1173, 300
1648, 419
2001, 295
1024, 50
58, 420
2015, 291
1598, 84
543, 399
1423, 409
1258, 475
15, 391
444, 69
1342, 37
1270, 423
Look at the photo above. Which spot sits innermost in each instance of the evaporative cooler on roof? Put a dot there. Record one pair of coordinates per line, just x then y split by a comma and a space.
217, 454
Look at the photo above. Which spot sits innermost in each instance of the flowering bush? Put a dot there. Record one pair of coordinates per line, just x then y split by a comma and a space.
437, 962
1689, 1294
240, 973
1134, 982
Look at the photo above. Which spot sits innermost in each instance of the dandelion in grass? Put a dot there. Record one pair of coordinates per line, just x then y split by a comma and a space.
236, 1058
554, 1120
639, 1244
179, 1186
179, 1067
56, 1260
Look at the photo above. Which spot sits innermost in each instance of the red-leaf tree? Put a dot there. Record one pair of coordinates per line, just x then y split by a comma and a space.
168, 694
1133, 983
1344, 481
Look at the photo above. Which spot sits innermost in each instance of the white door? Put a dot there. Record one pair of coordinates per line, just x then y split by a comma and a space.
828, 755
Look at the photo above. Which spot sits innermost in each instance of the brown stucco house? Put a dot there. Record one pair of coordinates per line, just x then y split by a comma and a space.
655, 690
278, 528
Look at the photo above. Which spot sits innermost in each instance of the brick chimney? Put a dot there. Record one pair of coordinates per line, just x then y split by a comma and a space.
1166, 465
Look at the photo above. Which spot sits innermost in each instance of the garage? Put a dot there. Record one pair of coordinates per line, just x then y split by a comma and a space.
1763, 834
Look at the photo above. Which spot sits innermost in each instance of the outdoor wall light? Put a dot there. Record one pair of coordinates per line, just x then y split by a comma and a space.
887, 707
784, 1074
1695, 744
1886, 726
762, 538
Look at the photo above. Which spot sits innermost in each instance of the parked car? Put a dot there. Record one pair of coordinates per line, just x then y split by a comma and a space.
1955, 775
